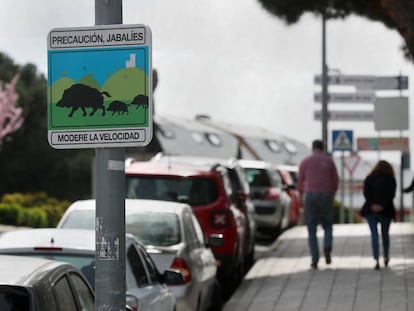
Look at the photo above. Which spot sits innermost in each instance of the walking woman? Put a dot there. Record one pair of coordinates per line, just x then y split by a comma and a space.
379, 192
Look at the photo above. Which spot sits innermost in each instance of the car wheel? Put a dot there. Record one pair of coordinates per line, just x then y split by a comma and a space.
250, 259
217, 299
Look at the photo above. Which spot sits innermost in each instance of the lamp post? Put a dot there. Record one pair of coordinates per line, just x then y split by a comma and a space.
324, 85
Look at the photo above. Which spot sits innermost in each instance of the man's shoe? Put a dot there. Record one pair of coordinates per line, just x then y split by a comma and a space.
314, 265
377, 267
328, 258
386, 260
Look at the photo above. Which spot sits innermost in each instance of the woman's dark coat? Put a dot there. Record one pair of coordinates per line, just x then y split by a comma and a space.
379, 189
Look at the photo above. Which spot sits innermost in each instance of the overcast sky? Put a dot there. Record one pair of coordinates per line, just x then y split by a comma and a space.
229, 59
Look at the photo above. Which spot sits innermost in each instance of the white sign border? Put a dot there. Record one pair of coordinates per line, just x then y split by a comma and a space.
148, 131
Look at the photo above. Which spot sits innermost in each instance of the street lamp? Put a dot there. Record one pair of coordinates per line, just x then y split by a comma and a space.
324, 85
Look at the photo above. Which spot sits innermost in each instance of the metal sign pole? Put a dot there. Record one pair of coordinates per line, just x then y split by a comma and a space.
351, 203
110, 285
401, 188
341, 215
324, 85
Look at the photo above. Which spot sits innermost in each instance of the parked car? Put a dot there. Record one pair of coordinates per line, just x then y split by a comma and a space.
146, 289
207, 189
296, 209
43, 285
292, 170
270, 201
240, 193
174, 239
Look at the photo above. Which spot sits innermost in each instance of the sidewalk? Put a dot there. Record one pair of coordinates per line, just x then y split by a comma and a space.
283, 281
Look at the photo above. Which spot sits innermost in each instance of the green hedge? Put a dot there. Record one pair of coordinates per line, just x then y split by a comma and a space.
337, 216
31, 210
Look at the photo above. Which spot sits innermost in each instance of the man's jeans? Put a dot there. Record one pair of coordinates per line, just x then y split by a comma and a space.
319, 209
373, 220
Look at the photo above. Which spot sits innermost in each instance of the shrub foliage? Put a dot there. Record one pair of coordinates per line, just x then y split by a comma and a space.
36, 209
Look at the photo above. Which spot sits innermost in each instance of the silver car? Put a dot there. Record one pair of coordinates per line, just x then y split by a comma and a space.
145, 285
174, 239
271, 202
43, 285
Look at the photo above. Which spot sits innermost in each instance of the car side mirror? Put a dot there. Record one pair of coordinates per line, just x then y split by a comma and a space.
215, 240
173, 277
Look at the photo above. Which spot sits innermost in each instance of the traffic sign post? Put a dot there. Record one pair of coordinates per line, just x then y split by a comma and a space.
347, 97
367, 81
342, 140
346, 115
383, 144
351, 162
391, 113
100, 86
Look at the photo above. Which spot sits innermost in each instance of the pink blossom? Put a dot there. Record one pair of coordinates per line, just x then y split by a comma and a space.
10, 115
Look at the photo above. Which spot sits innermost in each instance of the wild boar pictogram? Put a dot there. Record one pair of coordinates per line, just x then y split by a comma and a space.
140, 100
118, 106
83, 96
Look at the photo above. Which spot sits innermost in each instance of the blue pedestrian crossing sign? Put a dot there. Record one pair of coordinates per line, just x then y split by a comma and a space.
342, 140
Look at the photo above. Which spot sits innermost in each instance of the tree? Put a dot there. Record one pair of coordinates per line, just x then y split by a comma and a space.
10, 115
28, 163
395, 14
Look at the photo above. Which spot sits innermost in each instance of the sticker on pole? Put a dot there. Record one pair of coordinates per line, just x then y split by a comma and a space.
100, 86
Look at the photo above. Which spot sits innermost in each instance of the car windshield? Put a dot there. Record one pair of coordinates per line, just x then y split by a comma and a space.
14, 298
80, 220
194, 191
158, 229
257, 177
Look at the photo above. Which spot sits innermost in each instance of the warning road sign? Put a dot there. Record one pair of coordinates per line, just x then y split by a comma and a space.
351, 162
100, 86
342, 140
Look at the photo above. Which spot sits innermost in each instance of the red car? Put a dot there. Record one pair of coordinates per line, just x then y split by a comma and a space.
208, 190
288, 173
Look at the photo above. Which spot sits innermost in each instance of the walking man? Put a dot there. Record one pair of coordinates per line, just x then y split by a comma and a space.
318, 183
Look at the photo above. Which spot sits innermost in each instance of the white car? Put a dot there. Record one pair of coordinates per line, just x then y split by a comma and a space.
174, 239
145, 286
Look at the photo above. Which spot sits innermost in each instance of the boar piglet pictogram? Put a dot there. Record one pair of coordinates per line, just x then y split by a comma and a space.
83, 96
118, 106
140, 100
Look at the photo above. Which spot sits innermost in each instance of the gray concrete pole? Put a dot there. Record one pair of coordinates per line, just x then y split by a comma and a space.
351, 195
110, 287
324, 112
401, 188
108, 12
342, 207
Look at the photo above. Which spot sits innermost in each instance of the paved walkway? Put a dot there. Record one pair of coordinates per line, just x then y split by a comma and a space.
282, 279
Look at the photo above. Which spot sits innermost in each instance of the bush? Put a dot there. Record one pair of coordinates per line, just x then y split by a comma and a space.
337, 216
9, 213
31, 210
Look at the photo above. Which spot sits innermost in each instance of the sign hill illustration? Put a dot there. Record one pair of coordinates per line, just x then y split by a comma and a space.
100, 87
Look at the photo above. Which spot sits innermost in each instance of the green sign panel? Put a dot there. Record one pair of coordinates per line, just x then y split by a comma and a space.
100, 87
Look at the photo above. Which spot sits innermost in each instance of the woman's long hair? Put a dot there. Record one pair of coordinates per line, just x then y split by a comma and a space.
383, 168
